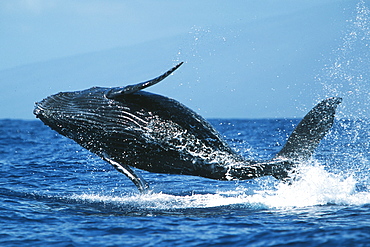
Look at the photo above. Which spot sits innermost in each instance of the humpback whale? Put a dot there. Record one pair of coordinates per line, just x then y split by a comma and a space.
129, 127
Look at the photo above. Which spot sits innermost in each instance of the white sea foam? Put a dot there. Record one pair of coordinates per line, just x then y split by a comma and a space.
315, 186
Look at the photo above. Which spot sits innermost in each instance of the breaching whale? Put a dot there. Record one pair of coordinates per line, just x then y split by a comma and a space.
128, 127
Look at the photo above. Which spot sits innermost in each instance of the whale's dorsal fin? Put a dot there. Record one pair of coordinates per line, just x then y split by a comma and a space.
309, 132
119, 91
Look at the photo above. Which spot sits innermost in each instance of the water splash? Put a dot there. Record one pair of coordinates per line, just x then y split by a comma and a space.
347, 73
314, 187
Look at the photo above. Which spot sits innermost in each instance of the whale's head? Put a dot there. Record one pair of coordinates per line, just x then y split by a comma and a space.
95, 115
75, 113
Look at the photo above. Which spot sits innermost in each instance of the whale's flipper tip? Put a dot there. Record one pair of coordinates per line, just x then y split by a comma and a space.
310, 131
137, 179
130, 89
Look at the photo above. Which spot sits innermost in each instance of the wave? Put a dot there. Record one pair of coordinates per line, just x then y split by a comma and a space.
314, 186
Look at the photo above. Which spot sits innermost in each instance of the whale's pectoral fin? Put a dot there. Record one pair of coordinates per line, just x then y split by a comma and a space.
139, 181
309, 132
119, 91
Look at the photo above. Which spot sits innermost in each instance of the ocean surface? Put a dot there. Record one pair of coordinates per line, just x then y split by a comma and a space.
55, 193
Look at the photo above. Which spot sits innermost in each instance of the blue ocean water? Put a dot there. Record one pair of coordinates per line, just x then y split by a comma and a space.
55, 193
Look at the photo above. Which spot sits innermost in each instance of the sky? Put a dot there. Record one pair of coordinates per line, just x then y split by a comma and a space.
243, 59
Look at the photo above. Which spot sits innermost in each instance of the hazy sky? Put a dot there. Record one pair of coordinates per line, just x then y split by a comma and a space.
40, 30
243, 59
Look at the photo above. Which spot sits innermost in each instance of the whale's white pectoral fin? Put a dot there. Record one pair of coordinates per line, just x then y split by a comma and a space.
138, 180
309, 132
116, 92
